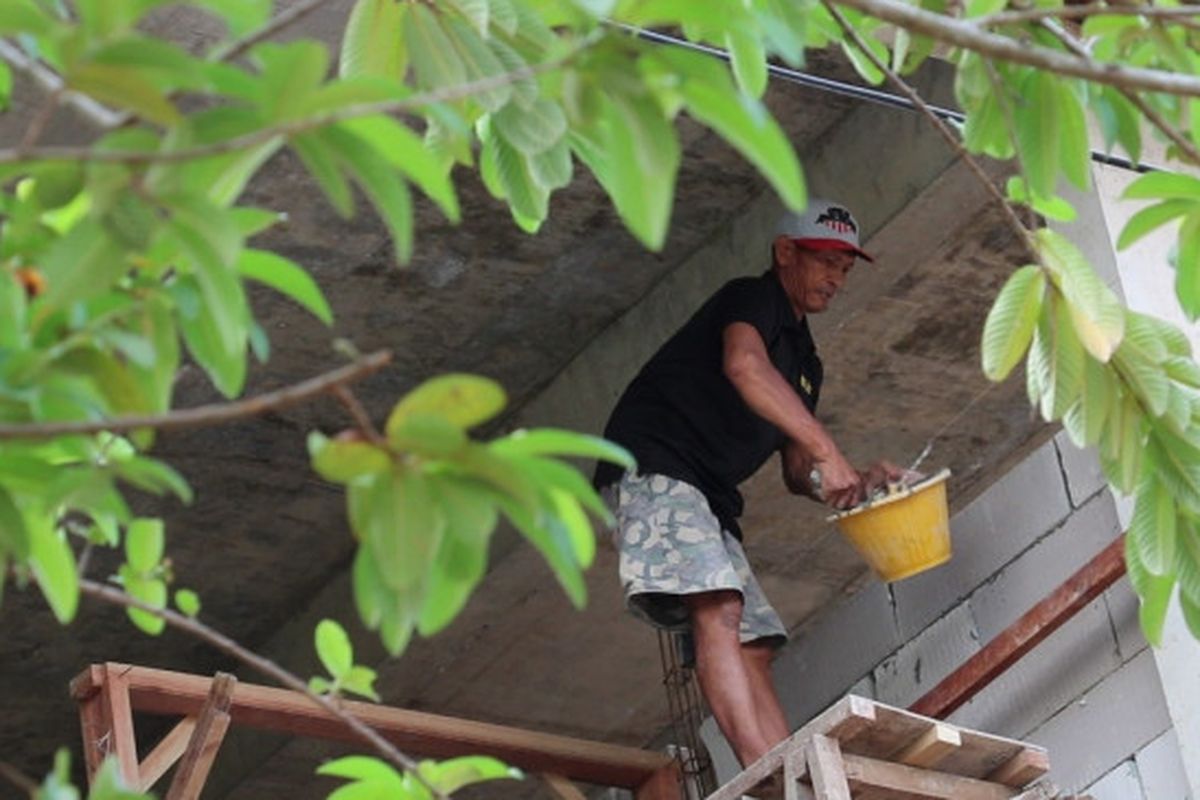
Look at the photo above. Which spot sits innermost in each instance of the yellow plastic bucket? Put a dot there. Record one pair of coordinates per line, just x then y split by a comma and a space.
903, 533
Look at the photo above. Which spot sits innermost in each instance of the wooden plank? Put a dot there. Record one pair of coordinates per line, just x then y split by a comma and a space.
118, 716
94, 729
179, 694
864, 771
206, 738
794, 768
843, 720
1024, 634
934, 745
826, 768
1022, 769
664, 784
165, 753
562, 788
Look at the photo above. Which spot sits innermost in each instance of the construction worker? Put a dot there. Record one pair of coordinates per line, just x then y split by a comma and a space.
737, 383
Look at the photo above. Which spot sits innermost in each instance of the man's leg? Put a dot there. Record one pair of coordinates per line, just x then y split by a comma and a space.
724, 674
771, 721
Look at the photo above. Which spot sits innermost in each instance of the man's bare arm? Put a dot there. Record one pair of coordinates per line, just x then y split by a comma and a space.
748, 366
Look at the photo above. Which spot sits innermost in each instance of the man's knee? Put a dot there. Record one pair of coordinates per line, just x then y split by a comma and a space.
716, 610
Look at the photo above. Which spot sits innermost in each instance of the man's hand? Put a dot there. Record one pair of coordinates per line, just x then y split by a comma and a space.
882, 473
841, 484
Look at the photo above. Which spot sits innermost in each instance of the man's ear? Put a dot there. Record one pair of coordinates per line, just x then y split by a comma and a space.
784, 249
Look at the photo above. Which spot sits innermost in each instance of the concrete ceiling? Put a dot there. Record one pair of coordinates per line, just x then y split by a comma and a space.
266, 541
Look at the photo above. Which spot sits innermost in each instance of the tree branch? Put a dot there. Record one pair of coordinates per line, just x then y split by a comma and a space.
49, 82
1184, 144
940, 126
209, 415
361, 418
18, 778
282, 20
970, 36
1083, 11
262, 665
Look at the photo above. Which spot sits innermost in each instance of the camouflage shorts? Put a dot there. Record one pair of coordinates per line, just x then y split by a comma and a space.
672, 545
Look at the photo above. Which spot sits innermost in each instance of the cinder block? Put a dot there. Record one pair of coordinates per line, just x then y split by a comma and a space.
1123, 611
840, 647
1121, 783
1161, 767
1112, 721
1040, 569
1081, 469
1065, 665
918, 665
1002, 522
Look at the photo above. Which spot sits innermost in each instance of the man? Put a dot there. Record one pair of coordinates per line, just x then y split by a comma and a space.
737, 383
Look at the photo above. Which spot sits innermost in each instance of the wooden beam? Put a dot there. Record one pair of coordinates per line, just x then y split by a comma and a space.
157, 691
165, 754
826, 768
664, 784
206, 738
94, 730
562, 788
1022, 769
1024, 634
118, 716
933, 745
863, 771
794, 768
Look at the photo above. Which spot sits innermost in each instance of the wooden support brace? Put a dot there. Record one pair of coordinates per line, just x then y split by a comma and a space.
211, 724
827, 768
562, 788
933, 746
165, 753
1022, 769
793, 771
862, 771
663, 784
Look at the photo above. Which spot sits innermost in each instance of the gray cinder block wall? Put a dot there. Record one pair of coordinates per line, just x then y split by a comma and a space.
1090, 692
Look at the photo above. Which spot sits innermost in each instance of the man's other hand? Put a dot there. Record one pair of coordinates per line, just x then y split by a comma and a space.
841, 484
882, 473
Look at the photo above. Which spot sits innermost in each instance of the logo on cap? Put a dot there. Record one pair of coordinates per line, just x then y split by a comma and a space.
837, 219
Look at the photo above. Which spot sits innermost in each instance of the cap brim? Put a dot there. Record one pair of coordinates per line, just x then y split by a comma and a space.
833, 244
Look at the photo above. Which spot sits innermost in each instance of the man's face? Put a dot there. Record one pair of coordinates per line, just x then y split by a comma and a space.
821, 276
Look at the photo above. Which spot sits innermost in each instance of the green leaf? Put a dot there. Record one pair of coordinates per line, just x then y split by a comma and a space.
463, 400
1152, 217
188, 602
1039, 131
1011, 320
748, 59
242, 16
370, 590
14, 539
552, 542
1154, 592
404, 526
1189, 560
1191, 614
1187, 267
226, 367
80, 265
1052, 207
1074, 148
557, 442
124, 87
321, 162
1096, 312
1152, 526
456, 572
385, 188
432, 54
531, 130
345, 460
453, 774
1147, 378
154, 476
983, 8
1085, 421
23, 17
373, 41
289, 75
286, 277
360, 680
364, 768
152, 592
1178, 466
552, 169
864, 66
427, 434
406, 152
333, 648
1120, 122
144, 541
1163, 186
480, 63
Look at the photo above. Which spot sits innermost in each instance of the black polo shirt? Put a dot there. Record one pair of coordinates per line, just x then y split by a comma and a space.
681, 417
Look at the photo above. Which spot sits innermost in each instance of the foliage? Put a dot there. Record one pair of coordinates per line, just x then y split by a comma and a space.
124, 257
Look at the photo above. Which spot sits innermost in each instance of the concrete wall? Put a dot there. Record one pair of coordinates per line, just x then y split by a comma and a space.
1090, 693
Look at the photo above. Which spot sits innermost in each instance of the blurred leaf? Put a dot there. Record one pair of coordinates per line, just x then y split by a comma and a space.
152, 592
453, 774
864, 66
385, 188
1189, 560
373, 41
1011, 320
124, 87
1039, 131
480, 63
1052, 207
406, 152
552, 543
23, 17
431, 53
1152, 217
558, 442
427, 434
404, 526
748, 59
286, 277
552, 169
366, 769
1119, 120
154, 476
1152, 526
1097, 313
1187, 266
1085, 421
370, 590
321, 162
531, 130
461, 399
144, 542
242, 16
1074, 148
82, 264
14, 539
360, 680
333, 648
188, 602
1163, 186
345, 460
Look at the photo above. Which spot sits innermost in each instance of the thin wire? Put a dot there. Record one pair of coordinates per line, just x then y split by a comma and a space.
841, 88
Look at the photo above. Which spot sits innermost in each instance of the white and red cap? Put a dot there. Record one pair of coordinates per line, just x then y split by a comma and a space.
824, 225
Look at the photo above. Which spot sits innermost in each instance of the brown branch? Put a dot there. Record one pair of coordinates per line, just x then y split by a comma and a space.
968, 35
940, 126
209, 415
277, 23
444, 94
18, 778
361, 418
1184, 144
49, 81
260, 664
1080, 12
